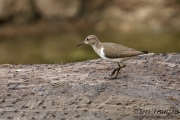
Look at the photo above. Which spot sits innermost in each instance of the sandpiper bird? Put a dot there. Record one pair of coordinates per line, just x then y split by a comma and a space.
112, 52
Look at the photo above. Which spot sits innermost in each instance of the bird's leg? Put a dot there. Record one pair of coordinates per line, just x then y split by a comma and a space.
116, 71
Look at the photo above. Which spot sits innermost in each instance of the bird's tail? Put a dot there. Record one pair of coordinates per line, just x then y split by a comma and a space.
146, 53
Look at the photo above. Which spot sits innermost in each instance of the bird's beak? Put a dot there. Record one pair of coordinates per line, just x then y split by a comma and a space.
80, 44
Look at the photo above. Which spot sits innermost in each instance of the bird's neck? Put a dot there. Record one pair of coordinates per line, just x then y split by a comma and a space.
97, 45
97, 48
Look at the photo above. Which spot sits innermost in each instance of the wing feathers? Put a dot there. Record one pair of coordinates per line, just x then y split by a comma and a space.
113, 50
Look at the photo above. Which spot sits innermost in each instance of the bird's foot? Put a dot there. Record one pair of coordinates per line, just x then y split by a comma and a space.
110, 77
115, 73
123, 66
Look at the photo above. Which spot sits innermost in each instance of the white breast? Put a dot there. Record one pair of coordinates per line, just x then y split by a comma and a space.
102, 55
97, 51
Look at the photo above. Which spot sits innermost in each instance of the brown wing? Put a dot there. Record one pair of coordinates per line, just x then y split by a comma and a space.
113, 50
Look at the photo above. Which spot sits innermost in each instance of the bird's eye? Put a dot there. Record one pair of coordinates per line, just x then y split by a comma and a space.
87, 39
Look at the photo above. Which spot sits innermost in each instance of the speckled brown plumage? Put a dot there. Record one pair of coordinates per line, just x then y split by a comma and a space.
113, 50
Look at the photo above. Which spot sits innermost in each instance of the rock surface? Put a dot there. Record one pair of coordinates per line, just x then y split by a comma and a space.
149, 87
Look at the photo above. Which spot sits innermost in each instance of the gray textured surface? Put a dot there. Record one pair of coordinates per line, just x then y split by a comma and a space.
78, 91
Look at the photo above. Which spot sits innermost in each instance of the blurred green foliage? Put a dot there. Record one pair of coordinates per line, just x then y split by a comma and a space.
61, 47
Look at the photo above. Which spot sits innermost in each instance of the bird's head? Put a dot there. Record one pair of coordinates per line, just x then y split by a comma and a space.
90, 39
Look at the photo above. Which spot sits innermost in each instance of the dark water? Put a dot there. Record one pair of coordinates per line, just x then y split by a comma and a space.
61, 47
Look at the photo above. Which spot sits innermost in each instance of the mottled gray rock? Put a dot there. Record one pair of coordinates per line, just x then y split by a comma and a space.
148, 88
